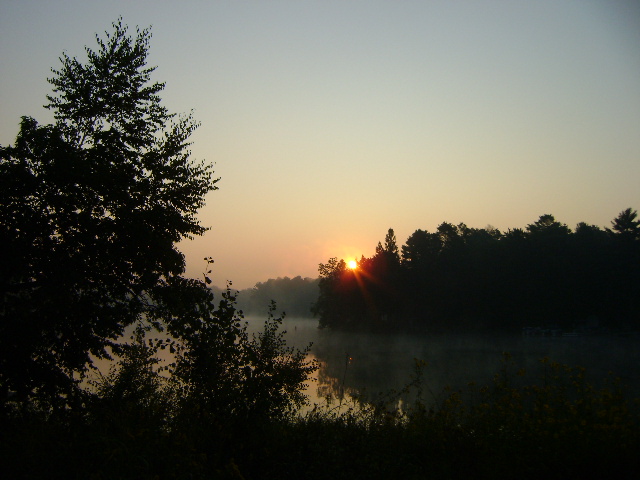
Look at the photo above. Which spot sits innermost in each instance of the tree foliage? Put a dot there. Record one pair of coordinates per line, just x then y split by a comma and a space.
91, 208
222, 372
461, 278
626, 226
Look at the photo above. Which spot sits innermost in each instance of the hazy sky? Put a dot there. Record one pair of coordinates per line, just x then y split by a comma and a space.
331, 121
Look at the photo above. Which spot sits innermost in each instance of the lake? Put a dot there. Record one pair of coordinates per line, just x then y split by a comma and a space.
375, 362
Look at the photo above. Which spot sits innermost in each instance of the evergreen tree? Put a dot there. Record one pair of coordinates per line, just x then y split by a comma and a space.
626, 226
391, 246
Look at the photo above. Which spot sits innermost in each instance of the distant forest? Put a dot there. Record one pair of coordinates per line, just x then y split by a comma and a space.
293, 296
467, 279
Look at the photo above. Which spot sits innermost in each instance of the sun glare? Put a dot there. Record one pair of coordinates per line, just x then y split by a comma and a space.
352, 264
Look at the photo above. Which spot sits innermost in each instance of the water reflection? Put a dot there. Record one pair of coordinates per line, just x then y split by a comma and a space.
376, 363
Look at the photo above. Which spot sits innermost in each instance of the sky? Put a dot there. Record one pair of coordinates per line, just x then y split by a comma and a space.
330, 122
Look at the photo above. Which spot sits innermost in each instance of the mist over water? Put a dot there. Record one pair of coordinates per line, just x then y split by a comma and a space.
375, 363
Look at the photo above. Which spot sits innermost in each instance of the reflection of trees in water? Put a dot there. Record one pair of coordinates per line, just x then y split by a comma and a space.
331, 388
363, 372
379, 363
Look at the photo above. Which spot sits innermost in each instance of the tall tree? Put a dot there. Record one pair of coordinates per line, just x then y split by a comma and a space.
91, 209
391, 246
625, 232
331, 306
626, 226
547, 226
420, 249
450, 236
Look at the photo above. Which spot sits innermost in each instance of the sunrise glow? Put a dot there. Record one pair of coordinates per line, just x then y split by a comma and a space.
352, 264
475, 102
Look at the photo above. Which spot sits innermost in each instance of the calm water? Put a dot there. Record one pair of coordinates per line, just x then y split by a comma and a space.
377, 362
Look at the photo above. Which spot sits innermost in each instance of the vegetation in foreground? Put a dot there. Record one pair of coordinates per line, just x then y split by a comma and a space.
136, 424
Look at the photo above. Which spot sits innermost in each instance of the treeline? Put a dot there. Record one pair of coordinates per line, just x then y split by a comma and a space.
294, 296
461, 278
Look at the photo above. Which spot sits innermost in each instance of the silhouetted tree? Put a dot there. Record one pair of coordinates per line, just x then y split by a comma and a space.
91, 209
223, 374
468, 278
586, 231
419, 259
547, 226
330, 306
420, 249
626, 226
625, 260
391, 246
449, 236
382, 284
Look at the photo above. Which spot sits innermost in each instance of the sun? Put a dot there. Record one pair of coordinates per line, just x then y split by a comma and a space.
352, 264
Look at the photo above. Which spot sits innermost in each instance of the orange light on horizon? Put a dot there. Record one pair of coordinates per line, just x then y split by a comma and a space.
352, 264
